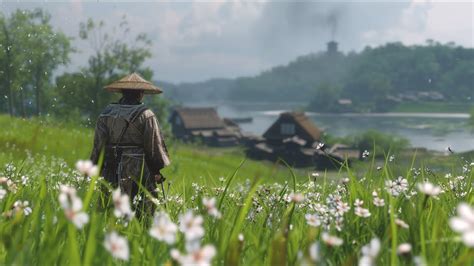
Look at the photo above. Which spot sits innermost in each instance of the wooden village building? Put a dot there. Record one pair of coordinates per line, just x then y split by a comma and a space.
204, 125
294, 138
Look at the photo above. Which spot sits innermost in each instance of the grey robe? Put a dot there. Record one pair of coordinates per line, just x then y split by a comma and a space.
142, 150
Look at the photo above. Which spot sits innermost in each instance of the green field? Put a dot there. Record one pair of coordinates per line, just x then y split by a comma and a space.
261, 223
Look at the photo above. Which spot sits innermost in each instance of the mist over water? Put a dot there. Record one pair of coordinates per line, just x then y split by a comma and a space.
433, 131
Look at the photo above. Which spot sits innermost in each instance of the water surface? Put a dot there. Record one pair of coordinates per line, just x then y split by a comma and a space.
434, 131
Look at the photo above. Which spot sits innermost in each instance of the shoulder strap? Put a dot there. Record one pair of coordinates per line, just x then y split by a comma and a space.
122, 133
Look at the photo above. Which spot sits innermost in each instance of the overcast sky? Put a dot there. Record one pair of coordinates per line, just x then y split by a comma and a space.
195, 40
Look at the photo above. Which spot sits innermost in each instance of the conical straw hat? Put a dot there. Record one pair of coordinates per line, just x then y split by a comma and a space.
133, 82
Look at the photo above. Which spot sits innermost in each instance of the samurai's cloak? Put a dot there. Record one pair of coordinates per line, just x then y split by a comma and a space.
133, 153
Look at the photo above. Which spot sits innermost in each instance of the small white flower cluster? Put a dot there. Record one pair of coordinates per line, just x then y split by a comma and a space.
401, 223
333, 211
391, 158
314, 253
163, 229
359, 211
379, 202
397, 186
6, 184
122, 207
370, 253
72, 206
313, 219
332, 241
117, 246
201, 256
191, 227
86, 167
210, 205
404, 249
22, 206
365, 154
429, 189
296, 197
464, 223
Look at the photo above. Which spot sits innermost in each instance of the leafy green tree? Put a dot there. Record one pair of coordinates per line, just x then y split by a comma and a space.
325, 98
380, 142
30, 50
49, 50
9, 57
114, 56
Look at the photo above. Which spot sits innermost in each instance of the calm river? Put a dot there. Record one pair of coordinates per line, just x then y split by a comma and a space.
433, 131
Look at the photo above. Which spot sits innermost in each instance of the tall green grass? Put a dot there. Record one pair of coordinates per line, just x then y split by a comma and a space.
274, 229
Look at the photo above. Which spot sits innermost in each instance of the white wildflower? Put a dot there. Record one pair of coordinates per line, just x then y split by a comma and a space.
314, 253
122, 205
163, 229
342, 207
3, 193
210, 204
22, 206
396, 187
379, 202
401, 223
361, 212
404, 248
191, 226
72, 206
202, 256
358, 203
117, 246
370, 253
320, 146
429, 189
86, 167
464, 223
330, 240
365, 154
24, 180
312, 220
296, 197
391, 158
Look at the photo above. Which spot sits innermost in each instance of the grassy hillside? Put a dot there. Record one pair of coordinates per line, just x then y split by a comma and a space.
403, 210
189, 162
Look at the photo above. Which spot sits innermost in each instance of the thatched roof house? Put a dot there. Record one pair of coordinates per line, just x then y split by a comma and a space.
294, 138
203, 124
292, 124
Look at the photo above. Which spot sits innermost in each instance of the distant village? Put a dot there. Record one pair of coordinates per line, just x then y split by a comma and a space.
293, 137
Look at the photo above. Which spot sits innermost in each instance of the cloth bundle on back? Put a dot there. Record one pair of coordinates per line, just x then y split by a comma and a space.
130, 136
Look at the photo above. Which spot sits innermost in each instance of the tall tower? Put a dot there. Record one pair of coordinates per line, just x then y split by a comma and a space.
332, 47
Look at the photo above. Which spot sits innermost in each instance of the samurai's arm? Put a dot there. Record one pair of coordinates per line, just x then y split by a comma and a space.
156, 153
100, 138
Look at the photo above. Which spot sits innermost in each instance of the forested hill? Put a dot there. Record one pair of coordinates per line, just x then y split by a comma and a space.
373, 79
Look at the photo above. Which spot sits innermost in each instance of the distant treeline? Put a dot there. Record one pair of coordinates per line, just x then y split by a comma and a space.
374, 79
31, 50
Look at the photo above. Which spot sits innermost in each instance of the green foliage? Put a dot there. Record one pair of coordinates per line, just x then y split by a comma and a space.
368, 78
379, 142
114, 56
30, 51
325, 99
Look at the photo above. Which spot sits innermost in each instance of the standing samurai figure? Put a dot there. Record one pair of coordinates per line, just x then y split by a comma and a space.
129, 134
